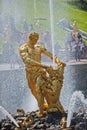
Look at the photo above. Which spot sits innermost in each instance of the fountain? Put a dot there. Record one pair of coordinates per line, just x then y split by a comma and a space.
8, 115
52, 28
14, 92
77, 101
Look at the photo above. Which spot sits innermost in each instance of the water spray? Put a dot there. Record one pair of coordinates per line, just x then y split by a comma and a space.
9, 115
52, 29
77, 100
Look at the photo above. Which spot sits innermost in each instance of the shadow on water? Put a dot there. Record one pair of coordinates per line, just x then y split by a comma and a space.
81, 5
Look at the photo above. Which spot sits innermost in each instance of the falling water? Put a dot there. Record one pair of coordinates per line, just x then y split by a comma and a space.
9, 116
77, 101
52, 27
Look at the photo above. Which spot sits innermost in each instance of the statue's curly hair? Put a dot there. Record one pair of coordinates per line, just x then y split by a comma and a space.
34, 35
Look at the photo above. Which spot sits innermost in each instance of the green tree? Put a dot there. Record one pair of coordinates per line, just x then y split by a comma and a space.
81, 1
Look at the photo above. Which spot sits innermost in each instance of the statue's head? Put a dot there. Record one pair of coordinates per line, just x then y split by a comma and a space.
33, 35
33, 38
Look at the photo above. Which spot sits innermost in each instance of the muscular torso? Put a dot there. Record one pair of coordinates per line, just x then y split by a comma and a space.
32, 57
34, 53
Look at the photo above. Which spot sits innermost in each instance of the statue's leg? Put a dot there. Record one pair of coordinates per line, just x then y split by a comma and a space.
31, 84
40, 96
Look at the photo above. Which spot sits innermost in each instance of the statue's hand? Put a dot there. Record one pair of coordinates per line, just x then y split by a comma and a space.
59, 63
30, 61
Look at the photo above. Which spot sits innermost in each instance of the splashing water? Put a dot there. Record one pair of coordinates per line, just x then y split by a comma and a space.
9, 116
77, 101
52, 29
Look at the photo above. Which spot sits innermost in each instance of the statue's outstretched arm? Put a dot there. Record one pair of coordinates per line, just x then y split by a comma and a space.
57, 61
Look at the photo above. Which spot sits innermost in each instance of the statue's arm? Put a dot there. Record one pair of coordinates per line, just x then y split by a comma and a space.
24, 54
47, 53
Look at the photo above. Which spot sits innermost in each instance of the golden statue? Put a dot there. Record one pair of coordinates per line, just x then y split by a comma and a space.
44, 81
75, 31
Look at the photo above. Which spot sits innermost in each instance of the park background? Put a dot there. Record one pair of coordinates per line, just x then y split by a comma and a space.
32, 10
14, 92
